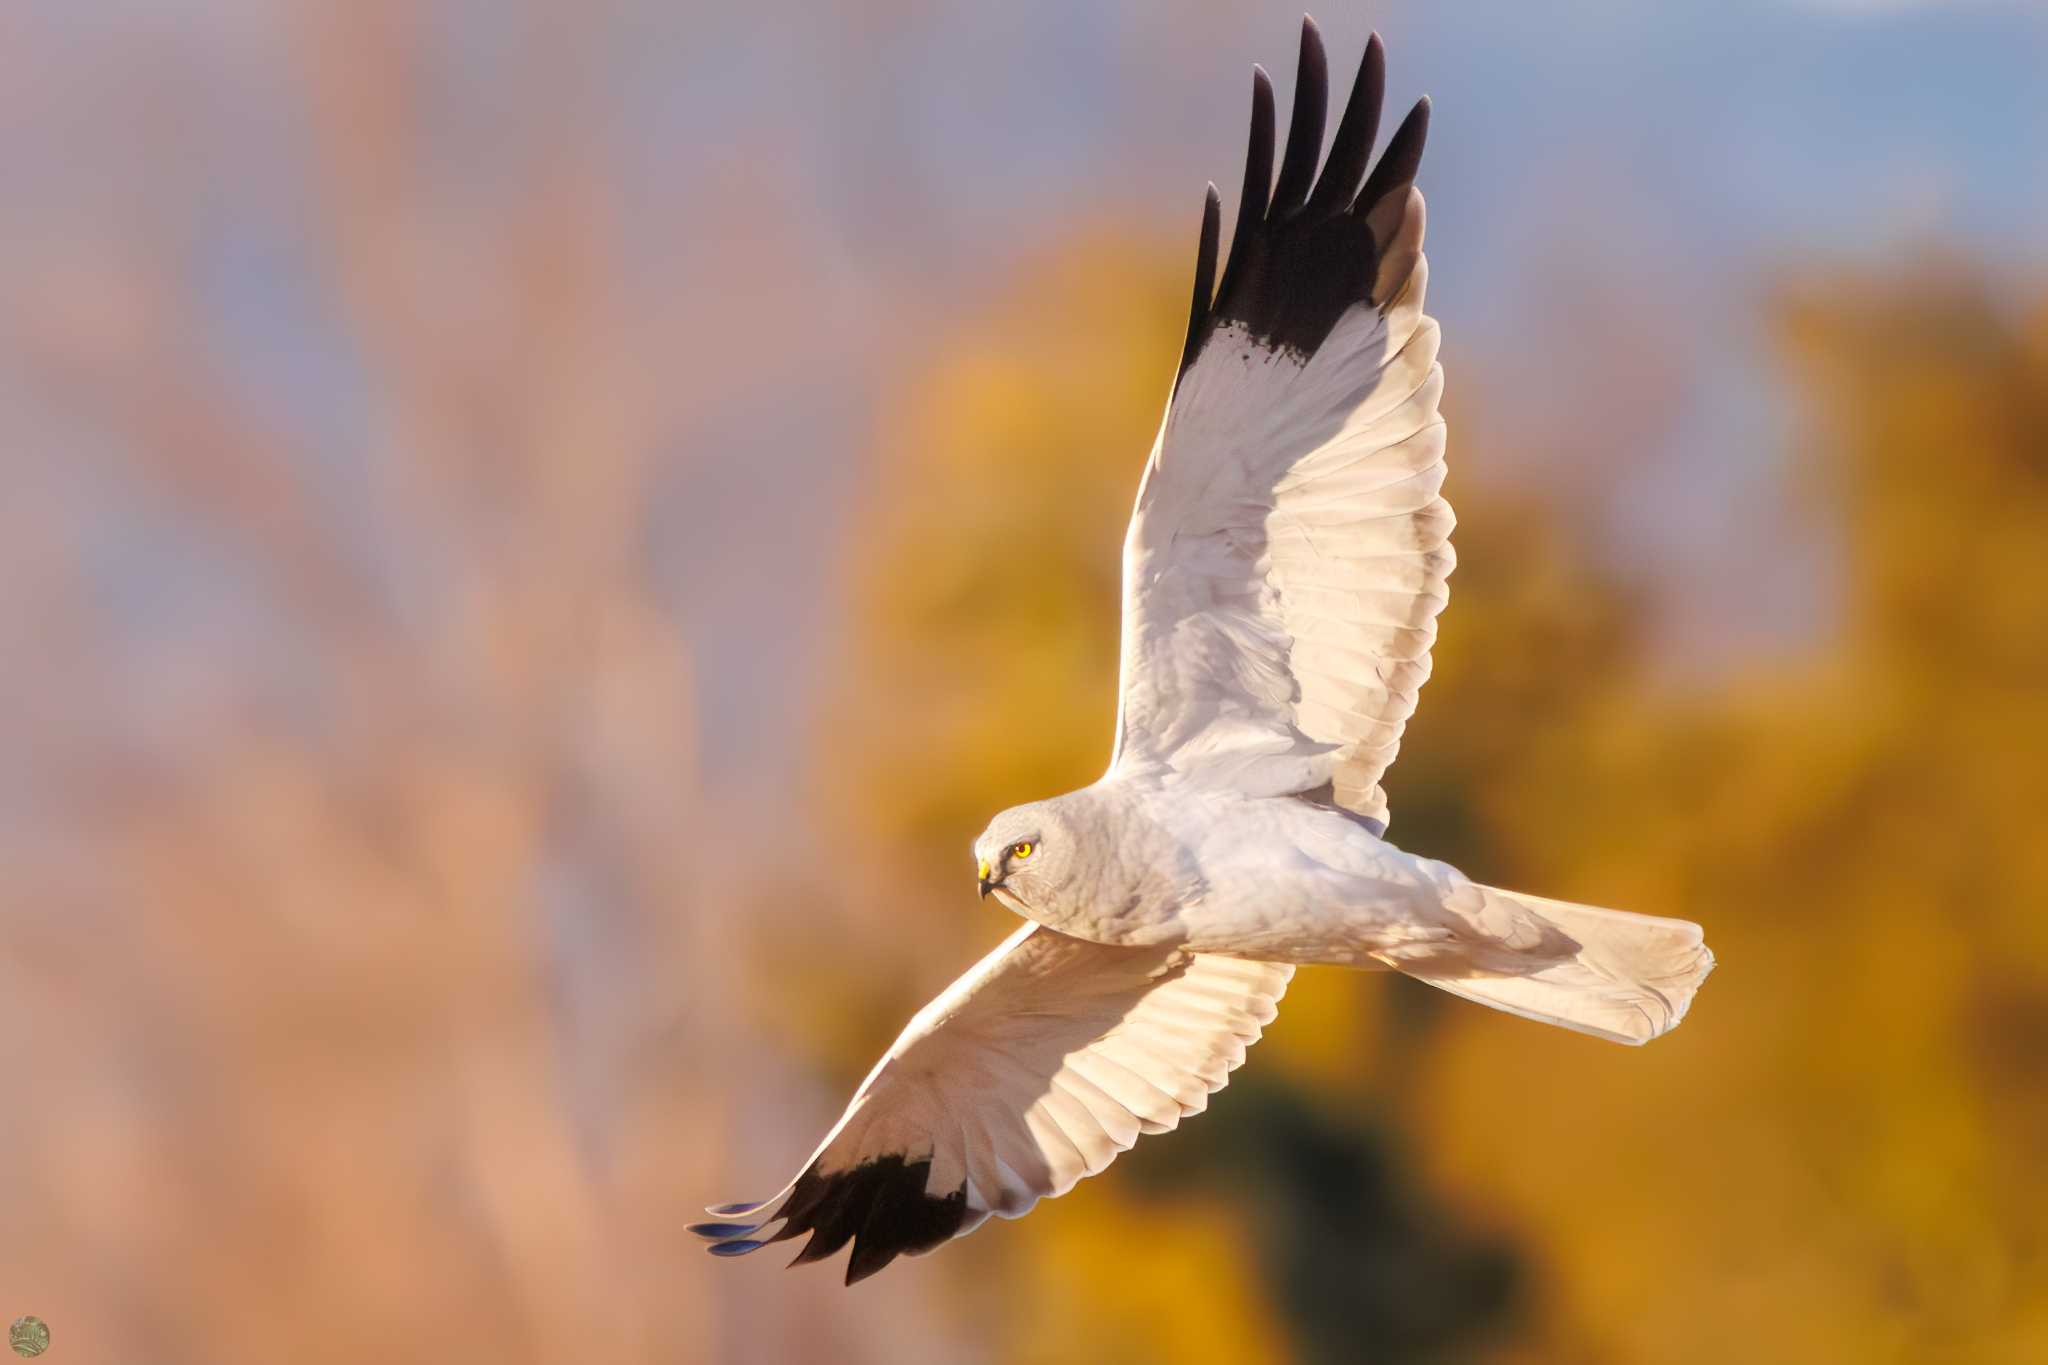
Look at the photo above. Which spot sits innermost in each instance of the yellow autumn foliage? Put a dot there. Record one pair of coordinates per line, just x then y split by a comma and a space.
1837, 1158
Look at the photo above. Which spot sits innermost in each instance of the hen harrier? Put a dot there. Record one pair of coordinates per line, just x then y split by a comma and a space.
1282, 576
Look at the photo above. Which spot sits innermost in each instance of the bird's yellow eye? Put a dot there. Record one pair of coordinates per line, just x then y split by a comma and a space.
1021, 851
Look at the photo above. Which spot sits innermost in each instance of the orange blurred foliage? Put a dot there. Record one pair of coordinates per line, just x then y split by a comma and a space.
1838, 1155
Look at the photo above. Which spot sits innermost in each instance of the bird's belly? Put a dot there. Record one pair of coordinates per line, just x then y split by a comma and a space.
1289, 882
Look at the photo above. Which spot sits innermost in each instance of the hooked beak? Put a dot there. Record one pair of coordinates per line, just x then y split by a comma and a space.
981, 870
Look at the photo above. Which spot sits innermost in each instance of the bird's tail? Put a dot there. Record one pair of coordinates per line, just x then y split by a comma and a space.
1609, 973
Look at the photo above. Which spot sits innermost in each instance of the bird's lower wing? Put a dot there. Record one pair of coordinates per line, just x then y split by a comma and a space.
1031, 1071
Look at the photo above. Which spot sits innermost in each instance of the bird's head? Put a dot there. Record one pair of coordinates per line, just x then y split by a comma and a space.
1017, 858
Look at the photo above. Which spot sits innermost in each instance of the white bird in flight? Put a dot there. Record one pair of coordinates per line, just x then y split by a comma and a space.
1283, 571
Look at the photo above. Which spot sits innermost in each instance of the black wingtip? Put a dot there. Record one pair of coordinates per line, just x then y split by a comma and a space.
1401, 160
883, 1200
729, 1249
1259, 146
1305, 122
719, 1232
1301, 256
1351, 149
867, 1260
1258, 179
823, 1242
731, 1210
1205, 278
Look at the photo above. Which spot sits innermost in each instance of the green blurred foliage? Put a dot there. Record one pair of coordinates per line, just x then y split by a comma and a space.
1836, 1158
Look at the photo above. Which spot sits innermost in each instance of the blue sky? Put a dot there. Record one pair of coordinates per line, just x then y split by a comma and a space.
1674, 158
817, 190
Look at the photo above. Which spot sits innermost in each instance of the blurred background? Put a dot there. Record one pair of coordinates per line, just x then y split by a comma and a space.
531, 538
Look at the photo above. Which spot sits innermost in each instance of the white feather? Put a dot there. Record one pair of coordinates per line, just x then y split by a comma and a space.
1049, 1058
1287, 559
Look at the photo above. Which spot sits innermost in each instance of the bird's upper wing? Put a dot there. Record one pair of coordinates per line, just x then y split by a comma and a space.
1288, 555
1033, 1070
